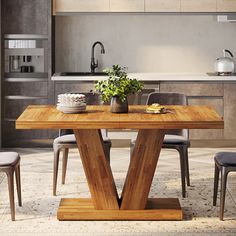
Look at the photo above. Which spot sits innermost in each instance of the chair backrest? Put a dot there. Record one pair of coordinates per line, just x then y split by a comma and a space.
169, 99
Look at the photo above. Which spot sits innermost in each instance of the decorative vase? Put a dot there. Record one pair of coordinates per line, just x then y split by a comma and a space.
118, 106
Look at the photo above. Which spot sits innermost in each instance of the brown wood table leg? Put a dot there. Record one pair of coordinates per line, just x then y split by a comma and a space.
141, 169
97, 169
135, 204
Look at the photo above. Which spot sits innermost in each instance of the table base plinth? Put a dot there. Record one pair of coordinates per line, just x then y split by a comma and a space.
83, 209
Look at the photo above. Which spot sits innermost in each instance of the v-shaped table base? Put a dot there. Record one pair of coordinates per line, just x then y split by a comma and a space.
134, 203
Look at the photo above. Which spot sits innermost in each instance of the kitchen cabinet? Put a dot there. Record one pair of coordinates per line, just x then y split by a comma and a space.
162, 5
62, 6
230, 111
198, 5
210, 94
226, 6
27, 37
71, 87
127, 5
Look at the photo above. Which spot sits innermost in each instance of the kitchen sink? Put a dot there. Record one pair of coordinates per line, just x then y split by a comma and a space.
83, 74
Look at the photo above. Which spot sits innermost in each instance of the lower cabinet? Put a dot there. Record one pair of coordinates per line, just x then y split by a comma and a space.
72, 87
199, 93
230, 111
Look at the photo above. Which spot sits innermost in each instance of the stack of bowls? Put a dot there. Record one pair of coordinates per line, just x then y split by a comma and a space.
71, 103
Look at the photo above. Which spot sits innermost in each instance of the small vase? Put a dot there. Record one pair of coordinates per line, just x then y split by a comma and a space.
117, 106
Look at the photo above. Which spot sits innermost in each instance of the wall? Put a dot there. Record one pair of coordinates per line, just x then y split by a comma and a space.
145, 43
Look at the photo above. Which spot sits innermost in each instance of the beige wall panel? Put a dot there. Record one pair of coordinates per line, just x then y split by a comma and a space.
198, 5
82, 6
162, 5
226, 5
127, 5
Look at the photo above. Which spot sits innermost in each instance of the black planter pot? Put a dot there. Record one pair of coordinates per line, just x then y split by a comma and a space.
117, 106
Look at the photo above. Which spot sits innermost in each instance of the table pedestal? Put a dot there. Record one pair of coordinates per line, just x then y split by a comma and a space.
134, 203
83, 209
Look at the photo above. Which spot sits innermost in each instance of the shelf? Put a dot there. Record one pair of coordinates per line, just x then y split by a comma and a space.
21, 97
26, 80
26, 36
9, 119
18, 75
24, 52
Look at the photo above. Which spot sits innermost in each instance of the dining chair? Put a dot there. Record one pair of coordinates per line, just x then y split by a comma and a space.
67, 140
225, 162
174, 139
10, 164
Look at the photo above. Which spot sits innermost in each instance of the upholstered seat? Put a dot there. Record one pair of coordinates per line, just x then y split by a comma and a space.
10, 164
70, 139
226, 158
175, 139
9, 158
171, 139
225, 162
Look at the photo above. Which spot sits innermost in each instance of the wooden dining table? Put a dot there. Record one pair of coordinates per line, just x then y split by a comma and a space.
134, 203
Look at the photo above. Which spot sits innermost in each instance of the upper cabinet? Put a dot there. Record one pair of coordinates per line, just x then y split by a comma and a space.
162, 5
127, 5
226, 5
198, 5
70, 6
64, 6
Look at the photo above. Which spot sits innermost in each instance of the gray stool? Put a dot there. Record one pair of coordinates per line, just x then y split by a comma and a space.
10, 163
225, 162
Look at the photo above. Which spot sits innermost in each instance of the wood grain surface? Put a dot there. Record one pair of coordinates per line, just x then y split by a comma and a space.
97, 169
156, 209
141, 169
97, 117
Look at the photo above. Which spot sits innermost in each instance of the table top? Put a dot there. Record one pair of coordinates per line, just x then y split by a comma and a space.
98, 117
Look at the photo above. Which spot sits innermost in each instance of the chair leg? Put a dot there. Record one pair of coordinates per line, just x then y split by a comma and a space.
18, 184
216, 183
107, 147
10, 178
64, 164
182, 170
55, 169
224, 174
186, 162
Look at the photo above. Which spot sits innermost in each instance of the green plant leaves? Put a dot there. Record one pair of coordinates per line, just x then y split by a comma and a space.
118, 84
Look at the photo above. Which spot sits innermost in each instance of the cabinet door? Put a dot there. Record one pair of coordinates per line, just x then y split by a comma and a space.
81, 6
127, 5
230, 111
198, 5
162, 5
211, 134
226, 5
73, 88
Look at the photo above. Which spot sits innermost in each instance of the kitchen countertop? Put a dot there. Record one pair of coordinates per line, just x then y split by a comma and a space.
152, 77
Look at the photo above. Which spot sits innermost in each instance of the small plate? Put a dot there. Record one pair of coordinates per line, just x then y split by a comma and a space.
158, 112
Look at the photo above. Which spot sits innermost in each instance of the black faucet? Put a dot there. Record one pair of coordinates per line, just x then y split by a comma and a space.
93, 64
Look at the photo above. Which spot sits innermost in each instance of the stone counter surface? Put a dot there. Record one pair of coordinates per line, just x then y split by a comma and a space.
153, 77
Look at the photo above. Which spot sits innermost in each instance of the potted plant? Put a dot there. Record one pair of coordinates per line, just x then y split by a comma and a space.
117, 87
